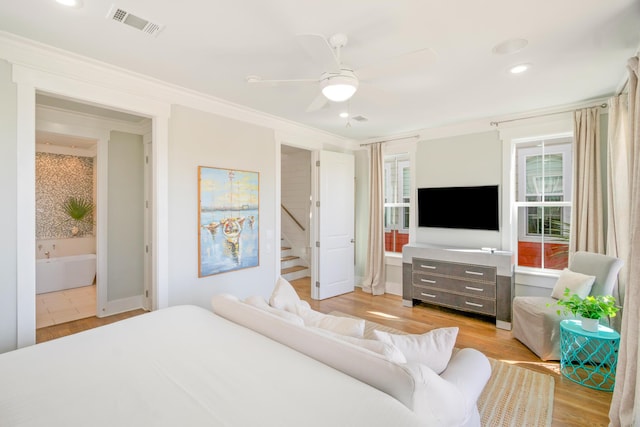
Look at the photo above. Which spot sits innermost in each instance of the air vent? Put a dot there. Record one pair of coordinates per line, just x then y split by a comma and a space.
141, 24
359, 118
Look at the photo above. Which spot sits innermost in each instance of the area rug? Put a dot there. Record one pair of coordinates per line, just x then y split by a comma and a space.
513, 396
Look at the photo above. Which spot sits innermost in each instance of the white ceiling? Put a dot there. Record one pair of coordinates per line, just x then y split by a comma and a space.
578, 50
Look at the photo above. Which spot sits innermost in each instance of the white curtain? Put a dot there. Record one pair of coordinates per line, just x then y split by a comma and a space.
374, 281
626, 398
587, 227
618, 190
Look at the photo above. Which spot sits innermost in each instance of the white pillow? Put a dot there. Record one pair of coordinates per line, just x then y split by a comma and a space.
432, 349
256, 301
284, 296
577, 283
259, 302
338, 324
388, 351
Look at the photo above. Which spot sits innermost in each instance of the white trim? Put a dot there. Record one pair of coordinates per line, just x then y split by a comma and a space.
393, 288
393, 259
26, 218
84, 70
511, 133
28, 81
124, 304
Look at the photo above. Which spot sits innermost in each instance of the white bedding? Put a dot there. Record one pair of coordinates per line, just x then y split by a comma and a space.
182, 366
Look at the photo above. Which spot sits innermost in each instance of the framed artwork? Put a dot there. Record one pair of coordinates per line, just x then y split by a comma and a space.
228, 220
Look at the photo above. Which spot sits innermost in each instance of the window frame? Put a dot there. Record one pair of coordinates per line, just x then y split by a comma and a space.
404, 147
526, 130
400, 158
567, 161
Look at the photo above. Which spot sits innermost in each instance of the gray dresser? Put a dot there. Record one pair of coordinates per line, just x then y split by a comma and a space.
470, 280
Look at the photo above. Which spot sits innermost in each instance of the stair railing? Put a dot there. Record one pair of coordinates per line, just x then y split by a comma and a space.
292, 217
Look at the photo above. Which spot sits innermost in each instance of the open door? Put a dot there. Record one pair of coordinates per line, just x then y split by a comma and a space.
333, 270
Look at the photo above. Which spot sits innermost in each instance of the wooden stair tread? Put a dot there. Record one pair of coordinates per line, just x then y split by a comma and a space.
289, 258
292, 269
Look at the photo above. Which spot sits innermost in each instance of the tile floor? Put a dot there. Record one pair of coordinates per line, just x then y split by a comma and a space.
58, 307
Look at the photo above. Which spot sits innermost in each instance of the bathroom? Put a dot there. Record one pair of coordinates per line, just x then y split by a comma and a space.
65, 228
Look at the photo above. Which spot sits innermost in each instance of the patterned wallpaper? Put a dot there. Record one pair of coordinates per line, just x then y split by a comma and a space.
59, 177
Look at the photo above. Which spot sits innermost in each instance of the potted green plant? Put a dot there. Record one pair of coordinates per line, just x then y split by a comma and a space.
591, 308
78, 209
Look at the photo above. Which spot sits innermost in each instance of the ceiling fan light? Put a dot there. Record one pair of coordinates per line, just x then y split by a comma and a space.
339, 88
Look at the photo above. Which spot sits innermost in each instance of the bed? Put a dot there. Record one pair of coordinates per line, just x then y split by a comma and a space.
182, 366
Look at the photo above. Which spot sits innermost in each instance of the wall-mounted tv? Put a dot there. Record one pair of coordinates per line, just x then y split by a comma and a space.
473, 208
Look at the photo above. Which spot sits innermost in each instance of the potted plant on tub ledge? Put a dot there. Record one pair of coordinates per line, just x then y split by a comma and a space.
78, 210
590, 309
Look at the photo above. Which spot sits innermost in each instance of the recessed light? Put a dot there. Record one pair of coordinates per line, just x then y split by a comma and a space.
70, 3
344, 115
510, 46
519, 69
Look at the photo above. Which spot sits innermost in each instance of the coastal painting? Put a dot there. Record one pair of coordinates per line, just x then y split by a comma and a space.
228, 218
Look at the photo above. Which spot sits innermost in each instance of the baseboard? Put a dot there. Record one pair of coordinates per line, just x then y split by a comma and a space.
122, 305
393, 288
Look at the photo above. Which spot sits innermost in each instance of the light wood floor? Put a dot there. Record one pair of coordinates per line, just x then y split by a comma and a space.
574, 405
54, 308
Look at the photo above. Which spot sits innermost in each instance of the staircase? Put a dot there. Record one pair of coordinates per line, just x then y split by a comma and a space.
291, 266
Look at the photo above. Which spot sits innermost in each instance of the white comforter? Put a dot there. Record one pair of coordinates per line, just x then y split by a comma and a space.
182, 366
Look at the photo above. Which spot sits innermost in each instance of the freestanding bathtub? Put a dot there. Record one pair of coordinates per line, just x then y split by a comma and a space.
57, 274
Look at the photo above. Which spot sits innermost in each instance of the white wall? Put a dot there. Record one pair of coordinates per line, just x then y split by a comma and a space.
125, 229
466, 160
65, 247
8, 217
197, 139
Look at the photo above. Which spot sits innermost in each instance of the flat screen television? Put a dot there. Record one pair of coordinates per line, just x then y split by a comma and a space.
473, 208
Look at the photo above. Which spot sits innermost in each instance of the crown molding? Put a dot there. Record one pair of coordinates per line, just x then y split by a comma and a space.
44, 59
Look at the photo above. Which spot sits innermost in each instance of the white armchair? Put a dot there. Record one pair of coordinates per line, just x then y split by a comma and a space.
536, 322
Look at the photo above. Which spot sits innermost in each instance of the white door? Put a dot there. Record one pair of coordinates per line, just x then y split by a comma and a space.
333, 272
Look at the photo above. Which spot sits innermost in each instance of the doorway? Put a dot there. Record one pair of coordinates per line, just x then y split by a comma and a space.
117, 92
115, 148
295, 213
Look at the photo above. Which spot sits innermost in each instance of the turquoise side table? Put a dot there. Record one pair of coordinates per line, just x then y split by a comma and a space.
589, 358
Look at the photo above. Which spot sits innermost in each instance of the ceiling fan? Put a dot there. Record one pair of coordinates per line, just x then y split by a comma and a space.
339, 82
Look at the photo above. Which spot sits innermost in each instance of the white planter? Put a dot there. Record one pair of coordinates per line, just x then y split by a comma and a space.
590, 325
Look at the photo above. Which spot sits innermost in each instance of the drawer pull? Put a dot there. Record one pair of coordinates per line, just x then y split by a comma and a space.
430, 267
475, 273
427, 281
473, 304
428, 295
471, 288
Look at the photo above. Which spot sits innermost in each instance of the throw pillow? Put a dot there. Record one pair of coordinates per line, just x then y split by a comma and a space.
432, 349
339, 325
259, 302
577, 283
256, 301
388, 351
289, 317
284, 296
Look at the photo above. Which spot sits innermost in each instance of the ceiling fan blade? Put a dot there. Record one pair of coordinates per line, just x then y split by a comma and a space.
320, 51
276, 82
318, 103
414, 62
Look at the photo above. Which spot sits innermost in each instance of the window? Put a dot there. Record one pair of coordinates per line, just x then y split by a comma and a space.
543, 201
397, 198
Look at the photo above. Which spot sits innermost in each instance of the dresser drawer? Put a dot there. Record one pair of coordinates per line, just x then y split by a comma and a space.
465, 271
460, 302
485, 290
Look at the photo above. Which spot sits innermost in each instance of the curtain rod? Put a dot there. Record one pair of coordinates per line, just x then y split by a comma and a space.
603, 105
390, 140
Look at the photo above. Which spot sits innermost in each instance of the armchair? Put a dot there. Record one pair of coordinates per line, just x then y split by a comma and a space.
536, 323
